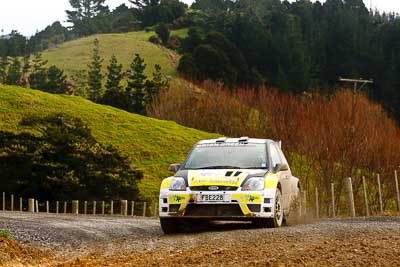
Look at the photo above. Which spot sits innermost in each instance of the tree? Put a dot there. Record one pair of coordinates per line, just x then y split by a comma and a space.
163, 33
114, 95
25, 70
3, 69
14, 73
136, 86
57, 82
94, 75
154, 86
37, 78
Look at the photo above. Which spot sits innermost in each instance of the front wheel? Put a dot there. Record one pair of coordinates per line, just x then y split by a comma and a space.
169, 226
279, 216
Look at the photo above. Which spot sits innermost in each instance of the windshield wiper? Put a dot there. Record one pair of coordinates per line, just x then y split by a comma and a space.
217, 167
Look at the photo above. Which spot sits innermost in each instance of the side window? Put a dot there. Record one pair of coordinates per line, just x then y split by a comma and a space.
275, 158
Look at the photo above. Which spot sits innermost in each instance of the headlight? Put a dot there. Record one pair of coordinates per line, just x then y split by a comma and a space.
178, 184
253, 184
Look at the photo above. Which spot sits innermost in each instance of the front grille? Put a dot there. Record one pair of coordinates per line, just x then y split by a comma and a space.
213, 210
254, 207
220, 188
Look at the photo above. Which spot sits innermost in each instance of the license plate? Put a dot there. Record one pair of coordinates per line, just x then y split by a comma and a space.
210, 198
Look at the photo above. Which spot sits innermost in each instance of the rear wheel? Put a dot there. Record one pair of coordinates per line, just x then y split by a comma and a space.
169, 226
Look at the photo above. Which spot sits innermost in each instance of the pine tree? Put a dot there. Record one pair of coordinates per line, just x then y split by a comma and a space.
135, 90
25, 70
37, 79
14, 73
163, 33
113, 95
94, 75
154, 86
56, 81
3, 69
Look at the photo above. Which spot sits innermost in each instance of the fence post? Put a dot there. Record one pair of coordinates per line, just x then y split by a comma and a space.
350, 197
4, 201
380, 193
12, 203
155, 208
397, 190
85, 208
333, 200
133, 208
20, 204
103, 208
144, 209
37, 206
304, 202
124, 207
94, 208
365, 197
57, 206
316, 203
75, 207
31, 205
47, 207
65, 207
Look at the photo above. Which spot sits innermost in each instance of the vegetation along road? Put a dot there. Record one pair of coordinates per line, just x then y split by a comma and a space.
87, 241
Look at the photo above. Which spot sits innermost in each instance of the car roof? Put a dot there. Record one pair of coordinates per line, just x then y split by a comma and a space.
235, 140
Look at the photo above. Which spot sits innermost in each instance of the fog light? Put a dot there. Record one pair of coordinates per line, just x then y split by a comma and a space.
267, 209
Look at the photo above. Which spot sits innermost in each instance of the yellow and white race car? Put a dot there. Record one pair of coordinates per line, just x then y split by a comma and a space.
230, 179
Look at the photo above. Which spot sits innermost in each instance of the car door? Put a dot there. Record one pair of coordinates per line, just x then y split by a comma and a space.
283, 176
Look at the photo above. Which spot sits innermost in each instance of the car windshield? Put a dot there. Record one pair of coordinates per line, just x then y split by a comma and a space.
227, 156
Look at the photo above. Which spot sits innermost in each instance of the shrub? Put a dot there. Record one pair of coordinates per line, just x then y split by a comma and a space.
5, 234
155, 40
174, 42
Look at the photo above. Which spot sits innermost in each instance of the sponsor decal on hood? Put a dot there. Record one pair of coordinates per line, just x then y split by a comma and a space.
219, 177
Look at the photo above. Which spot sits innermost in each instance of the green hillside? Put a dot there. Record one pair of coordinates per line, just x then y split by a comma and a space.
75, 55
150, 144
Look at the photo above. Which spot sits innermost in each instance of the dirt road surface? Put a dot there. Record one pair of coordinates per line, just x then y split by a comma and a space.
101, 241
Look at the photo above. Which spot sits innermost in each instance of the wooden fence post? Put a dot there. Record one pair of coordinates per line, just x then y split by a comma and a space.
133, 208
12, 202
124, 207
350, 197
47, 207
57, 207
20, 204
4, 201
94, 208
380, 193
155, 208
144, 209
103, 205
316, 203
112, 208
365, 197
31, 205
304, 202
65, 207
333, 200
85, 208
75, 207
37, 206
397, 190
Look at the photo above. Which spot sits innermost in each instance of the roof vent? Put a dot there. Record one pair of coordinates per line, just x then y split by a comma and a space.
221, 140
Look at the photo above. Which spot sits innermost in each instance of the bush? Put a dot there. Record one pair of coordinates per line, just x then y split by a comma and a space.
155, 40
174, 42
163, 33
63, 162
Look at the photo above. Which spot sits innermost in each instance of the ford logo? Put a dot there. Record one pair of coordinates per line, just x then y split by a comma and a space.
213, 188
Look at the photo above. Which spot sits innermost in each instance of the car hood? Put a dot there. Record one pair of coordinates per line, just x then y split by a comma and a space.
219, 177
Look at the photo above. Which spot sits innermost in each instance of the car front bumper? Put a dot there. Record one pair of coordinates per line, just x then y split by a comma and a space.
236, 205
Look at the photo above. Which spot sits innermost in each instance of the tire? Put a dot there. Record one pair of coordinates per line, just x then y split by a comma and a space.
279, 217
169, 226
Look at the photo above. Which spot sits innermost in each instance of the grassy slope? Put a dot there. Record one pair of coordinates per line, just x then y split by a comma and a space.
150, 144
75, 55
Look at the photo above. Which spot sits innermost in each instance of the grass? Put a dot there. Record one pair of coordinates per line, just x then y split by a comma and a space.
74, 56
5, 234
150, 144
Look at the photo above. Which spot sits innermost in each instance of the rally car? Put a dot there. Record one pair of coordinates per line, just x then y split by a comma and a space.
230, 179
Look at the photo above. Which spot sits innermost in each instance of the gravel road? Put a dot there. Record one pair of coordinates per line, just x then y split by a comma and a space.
90, 241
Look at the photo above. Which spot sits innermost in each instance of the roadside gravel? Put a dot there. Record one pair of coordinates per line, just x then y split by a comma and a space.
89, 241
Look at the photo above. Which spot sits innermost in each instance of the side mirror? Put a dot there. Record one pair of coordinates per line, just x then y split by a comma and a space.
174, 167
281, 167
